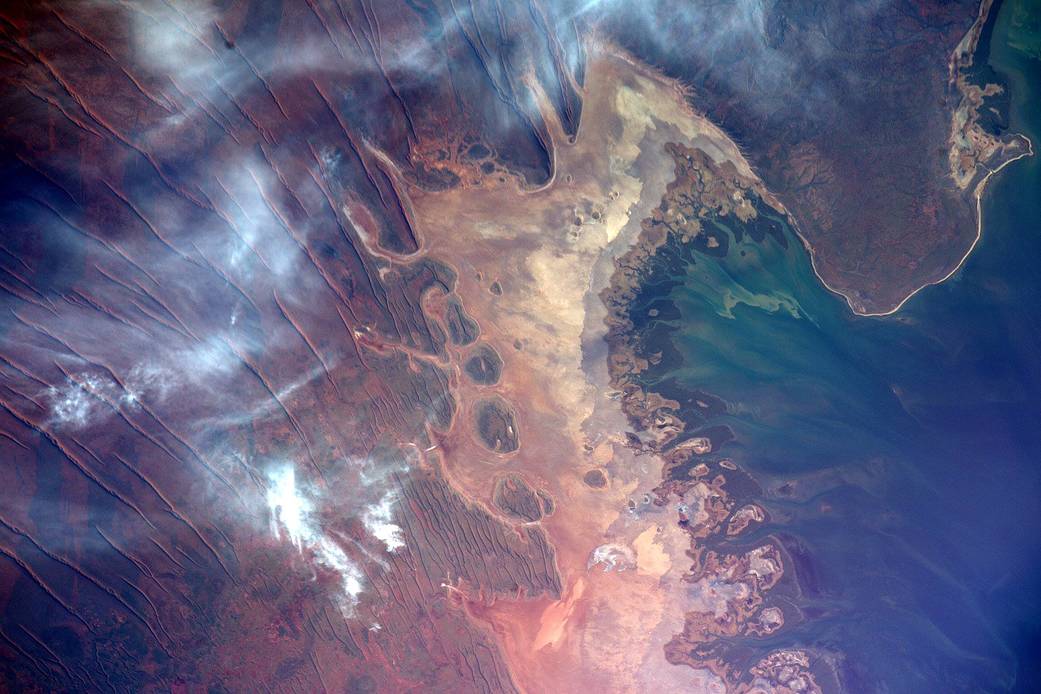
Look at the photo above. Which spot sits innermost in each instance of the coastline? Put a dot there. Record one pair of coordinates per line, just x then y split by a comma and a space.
693, 481
530, 270
978, 196
710, 498
971, 150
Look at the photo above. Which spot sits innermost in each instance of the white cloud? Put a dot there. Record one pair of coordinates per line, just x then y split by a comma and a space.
378, 520
80, 401
293, 519
289, 508
70, 405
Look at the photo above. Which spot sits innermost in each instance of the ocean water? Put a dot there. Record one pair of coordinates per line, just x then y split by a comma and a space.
900, 457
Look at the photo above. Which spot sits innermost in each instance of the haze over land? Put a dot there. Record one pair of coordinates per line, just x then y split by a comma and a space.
322, 365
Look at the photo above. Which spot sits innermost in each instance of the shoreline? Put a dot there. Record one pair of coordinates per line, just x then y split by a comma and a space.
980, 189
548, 252
966, 139
709, 497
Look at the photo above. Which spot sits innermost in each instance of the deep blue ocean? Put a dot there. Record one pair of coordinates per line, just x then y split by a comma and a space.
910, 444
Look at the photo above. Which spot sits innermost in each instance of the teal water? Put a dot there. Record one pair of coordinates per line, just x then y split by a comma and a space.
900, 457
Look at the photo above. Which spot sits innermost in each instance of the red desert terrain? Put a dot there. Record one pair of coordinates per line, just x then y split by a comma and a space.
305, 383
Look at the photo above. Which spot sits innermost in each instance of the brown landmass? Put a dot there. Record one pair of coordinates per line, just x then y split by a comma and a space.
305, 381
860, 118
231, 374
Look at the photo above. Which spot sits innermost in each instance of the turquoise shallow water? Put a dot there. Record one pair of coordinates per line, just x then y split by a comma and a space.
901, 456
